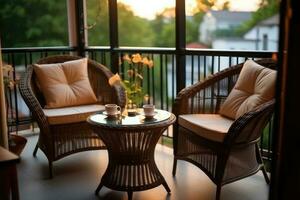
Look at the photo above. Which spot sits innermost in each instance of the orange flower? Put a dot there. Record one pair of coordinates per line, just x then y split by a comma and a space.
136, 58
127, 58
150, 64
115, 79
145, 61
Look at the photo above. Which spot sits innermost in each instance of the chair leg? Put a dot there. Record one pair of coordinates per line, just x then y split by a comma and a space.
50, 169
265, 174
174, 167
129, 193
260, 160
218, 192
35, 149
98, 188
166, 187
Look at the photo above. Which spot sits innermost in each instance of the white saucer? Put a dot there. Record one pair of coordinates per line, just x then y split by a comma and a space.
149, 116
112, 116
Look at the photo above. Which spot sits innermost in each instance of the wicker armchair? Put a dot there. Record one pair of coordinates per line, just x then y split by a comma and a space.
237, 155
60, 140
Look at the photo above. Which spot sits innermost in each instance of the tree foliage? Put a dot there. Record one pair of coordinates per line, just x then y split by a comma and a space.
97, 20
267, 8
44, 23
41, 23
192, 27
26, 23
203, 6
164, 30
133, 30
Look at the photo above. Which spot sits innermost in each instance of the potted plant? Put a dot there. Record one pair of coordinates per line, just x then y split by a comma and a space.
16, 142
133, 79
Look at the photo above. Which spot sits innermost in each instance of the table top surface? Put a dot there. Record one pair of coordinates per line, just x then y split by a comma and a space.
125, 120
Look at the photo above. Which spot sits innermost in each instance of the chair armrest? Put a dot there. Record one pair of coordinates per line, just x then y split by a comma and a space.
185, 99
32, 102
99, 76
249, 127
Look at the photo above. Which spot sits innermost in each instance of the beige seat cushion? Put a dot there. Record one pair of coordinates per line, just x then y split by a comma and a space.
210, 126
65, 84
255, 86
71, 114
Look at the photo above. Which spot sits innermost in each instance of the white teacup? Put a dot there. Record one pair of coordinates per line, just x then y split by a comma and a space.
112, 109
149, 110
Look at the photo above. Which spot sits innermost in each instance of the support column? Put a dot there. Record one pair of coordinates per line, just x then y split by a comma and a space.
76, 25
113, 34
180, 45
72, 23
285, 176
180, 62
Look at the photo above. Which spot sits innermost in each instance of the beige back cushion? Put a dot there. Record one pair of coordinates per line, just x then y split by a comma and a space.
255, 86
65, 84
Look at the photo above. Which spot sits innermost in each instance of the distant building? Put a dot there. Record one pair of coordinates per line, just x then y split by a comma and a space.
220, 20
263, 36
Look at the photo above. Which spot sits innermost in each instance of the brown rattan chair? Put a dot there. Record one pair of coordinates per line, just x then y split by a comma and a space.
60, 140
237, 155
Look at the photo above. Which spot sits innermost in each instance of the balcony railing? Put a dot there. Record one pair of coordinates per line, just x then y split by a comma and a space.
160, 82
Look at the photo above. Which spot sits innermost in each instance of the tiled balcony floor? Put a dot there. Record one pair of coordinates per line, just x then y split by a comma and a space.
77, 176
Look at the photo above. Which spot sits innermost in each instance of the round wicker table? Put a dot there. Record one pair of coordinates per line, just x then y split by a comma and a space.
131, 141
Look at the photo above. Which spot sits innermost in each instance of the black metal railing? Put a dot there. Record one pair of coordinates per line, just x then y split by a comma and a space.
160, 82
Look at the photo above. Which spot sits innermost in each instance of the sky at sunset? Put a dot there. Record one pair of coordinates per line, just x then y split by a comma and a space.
148, 8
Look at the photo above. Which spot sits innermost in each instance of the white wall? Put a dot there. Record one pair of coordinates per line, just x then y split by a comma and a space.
258, 32
210, 24
233, 44
206, 28
227, 24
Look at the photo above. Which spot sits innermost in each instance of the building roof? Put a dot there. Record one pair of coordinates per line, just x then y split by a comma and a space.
274, 20
269, 22
196, 45
224, 15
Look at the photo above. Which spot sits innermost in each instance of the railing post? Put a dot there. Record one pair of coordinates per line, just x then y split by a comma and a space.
113, 34
180, 45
